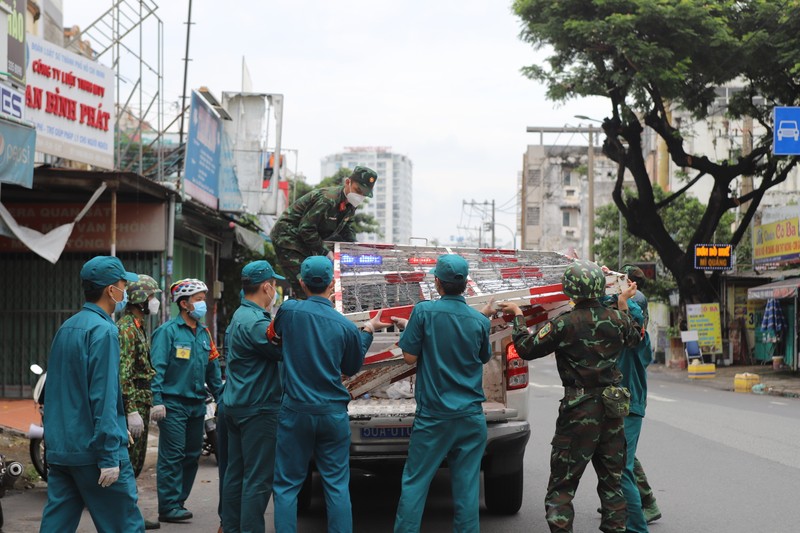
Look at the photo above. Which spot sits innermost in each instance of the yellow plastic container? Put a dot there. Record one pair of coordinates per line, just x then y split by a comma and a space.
744, 382
703, 371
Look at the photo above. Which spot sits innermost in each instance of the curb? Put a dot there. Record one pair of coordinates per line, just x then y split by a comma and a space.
13, 431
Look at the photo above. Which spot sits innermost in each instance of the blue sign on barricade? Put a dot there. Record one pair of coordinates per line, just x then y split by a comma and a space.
786, 135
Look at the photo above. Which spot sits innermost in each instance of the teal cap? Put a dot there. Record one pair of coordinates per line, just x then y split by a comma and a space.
105, 270
258, 272
451, 268
317, 271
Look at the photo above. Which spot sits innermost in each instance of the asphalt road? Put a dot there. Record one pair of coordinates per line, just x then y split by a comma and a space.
720, 462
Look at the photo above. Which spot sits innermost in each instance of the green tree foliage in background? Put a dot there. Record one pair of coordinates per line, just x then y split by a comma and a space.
679, 218
650, 56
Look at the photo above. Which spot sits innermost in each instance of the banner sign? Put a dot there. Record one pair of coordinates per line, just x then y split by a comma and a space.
17, 145
704, 319
140, 227
713, 256
15, 65
70, 100
203, 149
777, 242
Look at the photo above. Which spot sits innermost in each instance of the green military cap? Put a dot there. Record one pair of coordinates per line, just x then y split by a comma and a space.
258, 272
451, 268
105, 270
365, 177
316, 271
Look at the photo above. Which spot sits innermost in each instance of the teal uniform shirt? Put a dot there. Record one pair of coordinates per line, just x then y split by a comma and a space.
452, 342
633, 361
86, 422
319, 345
253, 383
184, 359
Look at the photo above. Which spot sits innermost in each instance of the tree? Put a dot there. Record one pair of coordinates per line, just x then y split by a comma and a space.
648, 56
678, 216
362, 222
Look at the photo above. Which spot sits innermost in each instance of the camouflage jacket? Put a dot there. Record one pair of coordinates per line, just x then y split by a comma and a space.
321, 215
587, 341
135, 370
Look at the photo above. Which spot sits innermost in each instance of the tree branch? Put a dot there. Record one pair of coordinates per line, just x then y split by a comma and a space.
666, 201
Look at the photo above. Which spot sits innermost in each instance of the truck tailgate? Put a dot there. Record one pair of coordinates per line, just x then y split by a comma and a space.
376, 411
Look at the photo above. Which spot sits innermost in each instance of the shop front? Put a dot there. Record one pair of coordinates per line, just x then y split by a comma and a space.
775, 317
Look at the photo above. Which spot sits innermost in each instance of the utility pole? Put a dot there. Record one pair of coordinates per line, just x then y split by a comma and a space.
590, 170
486, 203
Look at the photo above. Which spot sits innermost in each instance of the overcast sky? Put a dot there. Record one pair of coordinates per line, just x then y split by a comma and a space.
437, 80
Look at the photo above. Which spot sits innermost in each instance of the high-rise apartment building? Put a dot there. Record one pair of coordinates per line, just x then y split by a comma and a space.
391, 200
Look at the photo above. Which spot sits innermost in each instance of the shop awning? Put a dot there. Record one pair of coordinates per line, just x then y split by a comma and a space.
786, 288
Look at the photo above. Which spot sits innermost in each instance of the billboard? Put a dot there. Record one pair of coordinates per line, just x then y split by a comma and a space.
203, 151
17, 144
777, 242
70, 100
15, 63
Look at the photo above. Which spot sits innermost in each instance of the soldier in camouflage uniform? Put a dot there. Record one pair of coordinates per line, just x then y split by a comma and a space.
321, 215
135, 371
586, 341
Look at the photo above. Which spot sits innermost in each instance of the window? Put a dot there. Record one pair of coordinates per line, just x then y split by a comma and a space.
532, 216
565, 219
570, 193
566, 177
534, 177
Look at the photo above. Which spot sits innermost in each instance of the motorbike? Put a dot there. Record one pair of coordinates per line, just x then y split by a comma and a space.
210, 427
10, 471
36, 432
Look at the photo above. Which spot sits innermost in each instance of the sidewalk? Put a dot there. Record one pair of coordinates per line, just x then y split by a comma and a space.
16, 416
785, 383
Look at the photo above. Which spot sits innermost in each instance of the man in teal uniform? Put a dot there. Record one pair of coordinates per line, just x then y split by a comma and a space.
321, 215
319, 345
633, 363
87, 439
449, 342
185, 359
252, 398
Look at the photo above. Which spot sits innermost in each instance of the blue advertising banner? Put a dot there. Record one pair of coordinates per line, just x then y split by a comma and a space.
203, 149
230, 197
17, 144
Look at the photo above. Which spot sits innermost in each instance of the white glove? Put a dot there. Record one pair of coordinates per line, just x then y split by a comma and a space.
399, 322
135, 424
158, 412
108, 476
329, 255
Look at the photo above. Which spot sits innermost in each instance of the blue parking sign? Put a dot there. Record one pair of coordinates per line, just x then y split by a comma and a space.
786, 135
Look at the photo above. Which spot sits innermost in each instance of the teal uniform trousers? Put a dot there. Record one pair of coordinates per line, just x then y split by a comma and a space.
180, 444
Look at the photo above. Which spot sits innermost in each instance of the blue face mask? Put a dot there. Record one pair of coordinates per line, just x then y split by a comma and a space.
119, 306
199, 311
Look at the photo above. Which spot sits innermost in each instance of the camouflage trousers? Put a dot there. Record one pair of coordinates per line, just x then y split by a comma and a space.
138, 450
584, 433
645, 491
290, 260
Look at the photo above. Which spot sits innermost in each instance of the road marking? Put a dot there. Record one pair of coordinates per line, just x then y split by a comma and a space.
658, 398
779, 403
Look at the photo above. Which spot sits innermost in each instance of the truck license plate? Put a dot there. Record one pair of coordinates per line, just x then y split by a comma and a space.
386, 433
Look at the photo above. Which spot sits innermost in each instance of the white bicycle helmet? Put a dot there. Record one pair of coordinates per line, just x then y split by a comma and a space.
186, 287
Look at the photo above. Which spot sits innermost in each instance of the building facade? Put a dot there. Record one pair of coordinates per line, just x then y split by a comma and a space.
554, 209
391, 203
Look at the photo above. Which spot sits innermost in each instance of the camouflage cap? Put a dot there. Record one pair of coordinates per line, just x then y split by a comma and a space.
366, 178
634, 273
139, 291
584, 279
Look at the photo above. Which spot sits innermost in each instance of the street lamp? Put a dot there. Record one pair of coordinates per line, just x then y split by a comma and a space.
513, 235
590, 171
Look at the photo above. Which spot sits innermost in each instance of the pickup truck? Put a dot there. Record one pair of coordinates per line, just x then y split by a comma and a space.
370, 277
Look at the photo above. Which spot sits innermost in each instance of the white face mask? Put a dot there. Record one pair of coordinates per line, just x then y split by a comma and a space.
355, 199
153, 305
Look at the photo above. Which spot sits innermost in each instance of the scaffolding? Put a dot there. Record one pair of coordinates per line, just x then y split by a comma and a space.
124, 32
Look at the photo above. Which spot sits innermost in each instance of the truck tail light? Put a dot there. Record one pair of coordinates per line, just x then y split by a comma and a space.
516, 369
